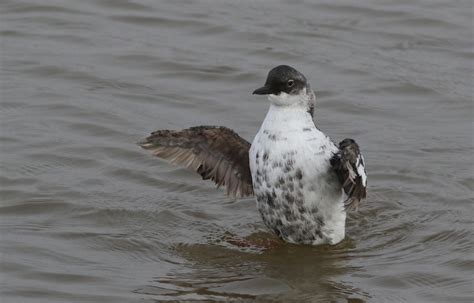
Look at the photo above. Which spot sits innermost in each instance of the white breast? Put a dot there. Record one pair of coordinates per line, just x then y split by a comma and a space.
298, 194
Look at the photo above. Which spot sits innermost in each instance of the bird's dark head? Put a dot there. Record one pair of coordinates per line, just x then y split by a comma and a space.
284, 86
283, 79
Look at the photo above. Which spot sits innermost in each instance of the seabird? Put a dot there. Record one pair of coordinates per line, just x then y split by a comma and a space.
303, 183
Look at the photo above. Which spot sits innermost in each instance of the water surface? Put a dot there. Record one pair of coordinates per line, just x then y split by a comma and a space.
86, 216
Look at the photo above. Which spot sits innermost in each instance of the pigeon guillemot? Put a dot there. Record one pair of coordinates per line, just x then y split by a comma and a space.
302, 181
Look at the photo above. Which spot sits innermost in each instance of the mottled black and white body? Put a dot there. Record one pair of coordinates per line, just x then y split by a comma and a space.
298, 194
303, 182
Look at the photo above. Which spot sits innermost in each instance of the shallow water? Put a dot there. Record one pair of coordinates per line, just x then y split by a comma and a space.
86, 216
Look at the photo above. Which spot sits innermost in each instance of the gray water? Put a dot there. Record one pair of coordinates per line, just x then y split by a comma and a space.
87, 216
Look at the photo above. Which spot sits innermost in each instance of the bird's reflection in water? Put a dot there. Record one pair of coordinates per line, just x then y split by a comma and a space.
241, 269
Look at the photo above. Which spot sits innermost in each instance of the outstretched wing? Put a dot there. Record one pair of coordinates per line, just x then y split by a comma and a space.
349, 166
216, 153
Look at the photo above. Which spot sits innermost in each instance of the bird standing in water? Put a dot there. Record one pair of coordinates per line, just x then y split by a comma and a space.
303, 183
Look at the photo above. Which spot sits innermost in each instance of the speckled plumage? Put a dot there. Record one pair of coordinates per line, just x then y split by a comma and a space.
303, 182
298, 194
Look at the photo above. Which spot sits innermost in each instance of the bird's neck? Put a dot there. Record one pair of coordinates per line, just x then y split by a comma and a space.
288, 118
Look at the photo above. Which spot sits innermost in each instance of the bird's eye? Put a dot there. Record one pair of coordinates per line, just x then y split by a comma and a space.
290, 83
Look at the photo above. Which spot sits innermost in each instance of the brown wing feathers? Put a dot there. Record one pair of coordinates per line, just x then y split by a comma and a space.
349, 166
216, 153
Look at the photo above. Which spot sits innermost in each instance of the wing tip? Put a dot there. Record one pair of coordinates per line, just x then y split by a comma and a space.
145, 143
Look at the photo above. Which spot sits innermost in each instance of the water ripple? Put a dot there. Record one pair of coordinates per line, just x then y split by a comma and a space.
86, 215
